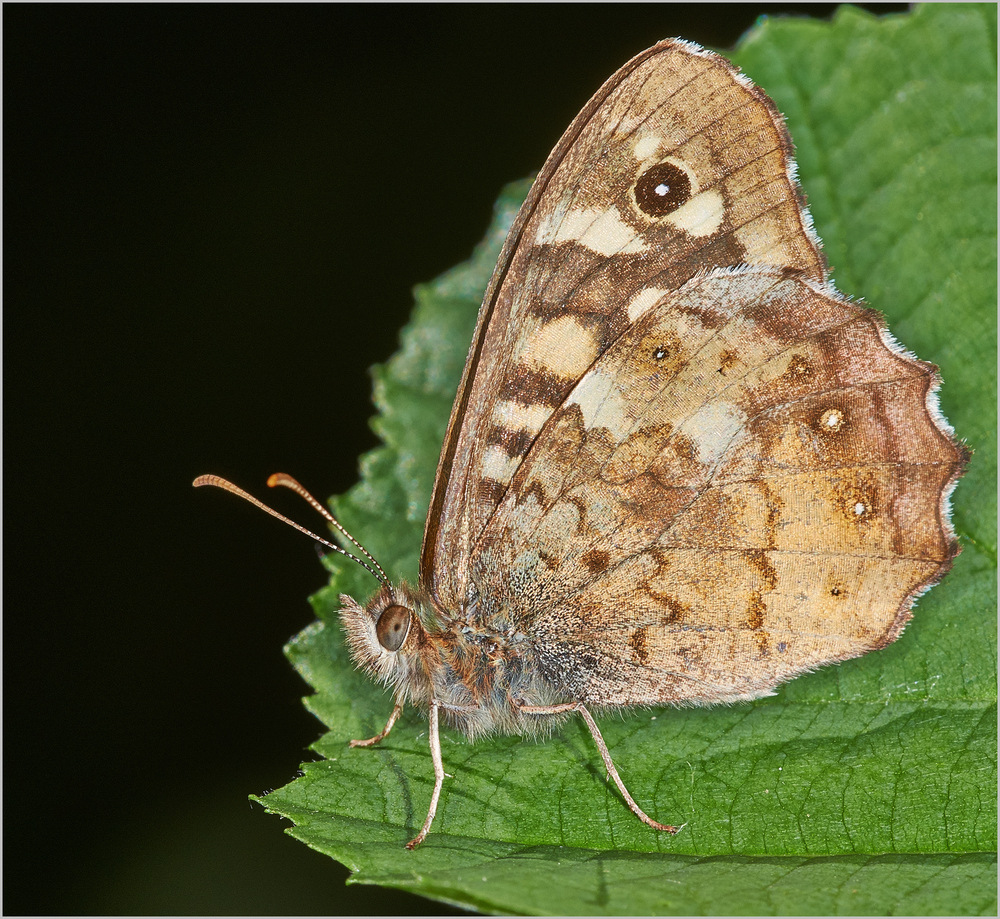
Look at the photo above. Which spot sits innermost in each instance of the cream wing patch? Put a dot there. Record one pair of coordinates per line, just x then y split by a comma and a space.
564, 347
601, 403
498, 465
644, 300
517, 416
702, 215
647, 147
713, 429
601, 230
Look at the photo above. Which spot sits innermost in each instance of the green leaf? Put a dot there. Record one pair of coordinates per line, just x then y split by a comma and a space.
865, 788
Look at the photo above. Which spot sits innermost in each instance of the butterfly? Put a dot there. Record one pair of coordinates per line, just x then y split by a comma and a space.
680, 468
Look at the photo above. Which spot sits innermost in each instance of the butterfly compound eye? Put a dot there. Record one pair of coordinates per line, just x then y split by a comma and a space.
662, 189
392, 627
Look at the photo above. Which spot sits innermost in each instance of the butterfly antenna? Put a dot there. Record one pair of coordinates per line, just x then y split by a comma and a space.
279, 478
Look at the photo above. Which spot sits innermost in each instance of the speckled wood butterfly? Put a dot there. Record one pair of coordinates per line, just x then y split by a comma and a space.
680, 467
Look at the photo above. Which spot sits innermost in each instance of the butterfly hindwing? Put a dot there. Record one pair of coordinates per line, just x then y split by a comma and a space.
676, 166
747, 468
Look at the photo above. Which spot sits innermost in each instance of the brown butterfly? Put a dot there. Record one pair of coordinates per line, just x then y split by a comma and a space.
680, 467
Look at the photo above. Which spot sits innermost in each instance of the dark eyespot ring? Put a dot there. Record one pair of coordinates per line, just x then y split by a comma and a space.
392, 627
662, 189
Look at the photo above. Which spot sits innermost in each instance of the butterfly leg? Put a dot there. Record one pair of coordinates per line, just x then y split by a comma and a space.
602, 748
384, 732
435, 740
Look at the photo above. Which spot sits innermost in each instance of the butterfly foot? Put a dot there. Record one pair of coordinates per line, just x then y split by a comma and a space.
641, 814
371, 741
419, 838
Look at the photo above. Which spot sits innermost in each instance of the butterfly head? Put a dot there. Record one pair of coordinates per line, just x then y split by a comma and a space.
386, 636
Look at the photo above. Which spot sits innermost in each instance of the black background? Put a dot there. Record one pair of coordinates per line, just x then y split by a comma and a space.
213, 216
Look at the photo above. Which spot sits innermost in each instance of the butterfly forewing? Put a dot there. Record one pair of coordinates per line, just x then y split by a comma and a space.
675, 167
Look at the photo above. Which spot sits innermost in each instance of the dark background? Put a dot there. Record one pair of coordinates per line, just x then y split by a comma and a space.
213, 216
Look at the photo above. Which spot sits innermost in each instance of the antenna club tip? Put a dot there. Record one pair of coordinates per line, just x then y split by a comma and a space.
283, 478
203, 480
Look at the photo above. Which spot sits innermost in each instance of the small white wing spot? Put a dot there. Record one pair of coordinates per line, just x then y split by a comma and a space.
832, 419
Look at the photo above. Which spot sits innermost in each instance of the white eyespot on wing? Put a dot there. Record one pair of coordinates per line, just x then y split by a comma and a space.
602, 405
601, 230
644, 300
563, 347
517, 416
832, 419
713, 428
701, 216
